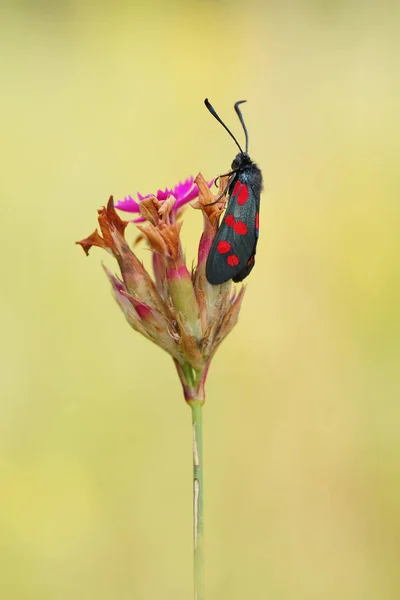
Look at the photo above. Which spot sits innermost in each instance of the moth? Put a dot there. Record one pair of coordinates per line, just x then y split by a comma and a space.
232, 254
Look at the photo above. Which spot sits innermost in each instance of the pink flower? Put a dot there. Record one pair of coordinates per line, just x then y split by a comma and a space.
175, 307
183, 193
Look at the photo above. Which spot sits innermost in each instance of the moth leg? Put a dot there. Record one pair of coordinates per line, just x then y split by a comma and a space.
218, 199
225, 175
227, 187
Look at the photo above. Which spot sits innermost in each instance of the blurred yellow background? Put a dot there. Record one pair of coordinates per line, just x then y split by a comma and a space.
302, 447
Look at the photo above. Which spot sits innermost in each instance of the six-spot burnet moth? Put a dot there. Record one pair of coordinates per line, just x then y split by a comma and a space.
232, 254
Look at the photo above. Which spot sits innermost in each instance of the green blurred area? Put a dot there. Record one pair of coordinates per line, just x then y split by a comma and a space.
302, 418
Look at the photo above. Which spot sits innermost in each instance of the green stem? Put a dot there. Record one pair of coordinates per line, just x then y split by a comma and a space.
198, 519
188, 372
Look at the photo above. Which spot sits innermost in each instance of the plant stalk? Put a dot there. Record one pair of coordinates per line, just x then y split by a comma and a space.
198, 517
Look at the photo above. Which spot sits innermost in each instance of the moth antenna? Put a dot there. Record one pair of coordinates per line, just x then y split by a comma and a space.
214, 114
239, 114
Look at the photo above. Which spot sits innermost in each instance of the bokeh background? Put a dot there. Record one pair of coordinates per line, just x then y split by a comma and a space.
302, 419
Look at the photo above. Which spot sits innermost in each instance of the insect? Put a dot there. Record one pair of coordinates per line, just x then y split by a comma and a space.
232, 254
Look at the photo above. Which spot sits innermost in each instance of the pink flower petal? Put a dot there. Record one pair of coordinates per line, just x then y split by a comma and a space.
128, 204
162, 195
183, 192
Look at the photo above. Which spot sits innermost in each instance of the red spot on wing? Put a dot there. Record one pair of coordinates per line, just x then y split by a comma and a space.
229, 220
223, 247
251, 260
236, 188
243, 194
256, 220
240, 228
233, 260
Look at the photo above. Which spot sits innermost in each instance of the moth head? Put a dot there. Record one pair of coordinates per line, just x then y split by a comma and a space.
241, 160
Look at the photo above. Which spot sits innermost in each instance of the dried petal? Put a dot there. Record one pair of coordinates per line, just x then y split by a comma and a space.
149, 209
110, 221
94, 239
154, 237
207, 202
166, 208
170, 234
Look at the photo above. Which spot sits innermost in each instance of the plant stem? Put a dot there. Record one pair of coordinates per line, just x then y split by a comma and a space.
198, 519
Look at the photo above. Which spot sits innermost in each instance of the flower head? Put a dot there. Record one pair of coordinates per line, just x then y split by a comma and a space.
179, 311
183, 193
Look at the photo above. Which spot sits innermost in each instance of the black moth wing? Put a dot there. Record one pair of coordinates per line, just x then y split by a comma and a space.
248, 266
232, 253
